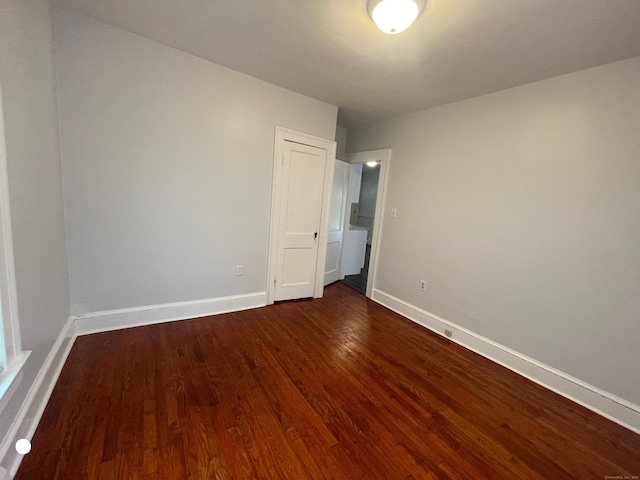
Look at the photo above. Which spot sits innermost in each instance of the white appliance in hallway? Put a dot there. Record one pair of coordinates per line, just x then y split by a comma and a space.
356, 248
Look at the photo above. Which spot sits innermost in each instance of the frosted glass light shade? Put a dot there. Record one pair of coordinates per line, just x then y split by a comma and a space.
395, 16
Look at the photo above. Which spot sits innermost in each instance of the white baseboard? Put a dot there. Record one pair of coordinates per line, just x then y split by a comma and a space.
601, 402
105, 321
28, 417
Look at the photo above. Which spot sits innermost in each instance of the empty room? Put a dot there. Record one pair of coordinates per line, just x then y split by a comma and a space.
319, 239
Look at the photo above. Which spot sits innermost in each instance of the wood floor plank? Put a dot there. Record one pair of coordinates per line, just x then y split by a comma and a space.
338, 388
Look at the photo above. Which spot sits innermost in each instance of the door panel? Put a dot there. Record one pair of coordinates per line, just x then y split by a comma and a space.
295, 271
337, 212
302, 173
332, 262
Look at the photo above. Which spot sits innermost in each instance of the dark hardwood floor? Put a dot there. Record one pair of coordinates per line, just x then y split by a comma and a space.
334, 388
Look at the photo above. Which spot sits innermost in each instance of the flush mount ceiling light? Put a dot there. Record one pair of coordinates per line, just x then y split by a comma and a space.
372, 164
395, 16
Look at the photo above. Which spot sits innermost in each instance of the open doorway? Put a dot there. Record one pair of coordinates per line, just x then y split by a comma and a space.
363, 222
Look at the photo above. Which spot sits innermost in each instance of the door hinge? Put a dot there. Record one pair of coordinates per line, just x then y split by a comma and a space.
283, 159
274, 283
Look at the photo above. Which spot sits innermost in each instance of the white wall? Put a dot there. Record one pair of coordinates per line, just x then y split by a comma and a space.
30, 112
521, 210
167, 166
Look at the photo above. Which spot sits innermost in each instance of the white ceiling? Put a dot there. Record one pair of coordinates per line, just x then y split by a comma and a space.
332, 51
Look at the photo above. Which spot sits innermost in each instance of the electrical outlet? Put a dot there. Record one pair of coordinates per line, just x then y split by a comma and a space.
239, 270
423, 285
448, 333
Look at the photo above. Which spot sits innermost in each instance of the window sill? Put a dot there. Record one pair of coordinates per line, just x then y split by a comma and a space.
8, 377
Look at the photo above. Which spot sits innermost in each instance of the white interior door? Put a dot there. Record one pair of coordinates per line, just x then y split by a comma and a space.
302, 178
337, 213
